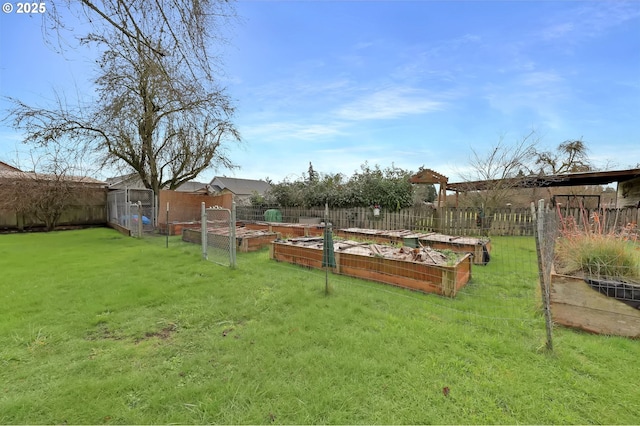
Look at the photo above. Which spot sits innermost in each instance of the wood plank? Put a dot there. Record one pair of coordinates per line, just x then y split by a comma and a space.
367, 274
444, 280
575, 304
594, 321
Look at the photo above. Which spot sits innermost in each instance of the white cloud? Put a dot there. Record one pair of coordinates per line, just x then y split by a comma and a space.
542, 94
540, 79
589, 20
559, 30
390, 103
279, 131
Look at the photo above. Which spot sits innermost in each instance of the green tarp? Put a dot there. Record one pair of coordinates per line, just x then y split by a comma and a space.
328, 256
273, 215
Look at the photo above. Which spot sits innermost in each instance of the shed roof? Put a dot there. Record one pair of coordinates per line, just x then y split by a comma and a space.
558, 180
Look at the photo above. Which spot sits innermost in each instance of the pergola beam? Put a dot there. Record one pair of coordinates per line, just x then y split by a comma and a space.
432, 177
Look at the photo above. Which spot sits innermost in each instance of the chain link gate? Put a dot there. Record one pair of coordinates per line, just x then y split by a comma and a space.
218, 235
133, 209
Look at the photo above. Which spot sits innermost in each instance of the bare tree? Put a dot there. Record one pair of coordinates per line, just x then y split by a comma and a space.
494, 176
571, 156
186, 26
159, 111
43, 196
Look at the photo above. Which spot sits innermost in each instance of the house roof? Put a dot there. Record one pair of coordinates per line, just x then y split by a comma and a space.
15, 175
8, 167
568, 179
193, 186
239, 186
132, 179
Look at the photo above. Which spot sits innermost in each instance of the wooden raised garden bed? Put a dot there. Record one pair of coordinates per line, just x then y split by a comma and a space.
479, 248
422, 269
175, 228
246, 239
574, 303
287, 230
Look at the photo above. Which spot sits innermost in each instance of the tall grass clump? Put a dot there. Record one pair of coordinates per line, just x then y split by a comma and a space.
596, 252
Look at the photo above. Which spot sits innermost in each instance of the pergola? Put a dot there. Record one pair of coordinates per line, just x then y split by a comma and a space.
430, 176
628, 178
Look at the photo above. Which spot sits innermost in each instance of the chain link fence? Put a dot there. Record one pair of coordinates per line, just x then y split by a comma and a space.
132, 209
497, 273
218, 235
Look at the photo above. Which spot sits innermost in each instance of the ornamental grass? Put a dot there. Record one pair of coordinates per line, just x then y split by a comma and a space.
596, 250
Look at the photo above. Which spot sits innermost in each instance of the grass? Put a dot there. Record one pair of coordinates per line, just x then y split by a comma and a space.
97, 328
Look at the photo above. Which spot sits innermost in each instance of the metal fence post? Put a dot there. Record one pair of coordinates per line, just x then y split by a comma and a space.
203, 230
139, 219
232, 234
167, 224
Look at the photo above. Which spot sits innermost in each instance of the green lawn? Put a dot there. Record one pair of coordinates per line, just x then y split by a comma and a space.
97, 328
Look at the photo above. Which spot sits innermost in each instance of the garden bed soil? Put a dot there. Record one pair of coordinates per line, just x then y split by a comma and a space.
479, 248
246, 239
422, 269
591, 306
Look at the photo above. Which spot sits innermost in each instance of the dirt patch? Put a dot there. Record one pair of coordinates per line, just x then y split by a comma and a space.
103, 333
163, 334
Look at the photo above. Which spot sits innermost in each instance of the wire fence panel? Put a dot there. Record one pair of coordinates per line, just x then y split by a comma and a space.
132, 209
496, 274
546, 234
218, 235
591, 266
485, 276
456, 221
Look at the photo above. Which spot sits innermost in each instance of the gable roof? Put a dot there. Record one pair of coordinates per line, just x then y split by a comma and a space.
193, 186
132, 180
8, 167
239, 186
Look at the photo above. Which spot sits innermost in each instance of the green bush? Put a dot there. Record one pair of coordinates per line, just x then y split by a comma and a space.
388, 188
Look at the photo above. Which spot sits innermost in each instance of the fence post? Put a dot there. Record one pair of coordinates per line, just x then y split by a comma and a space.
139, 219
167, 224
544, 269
203, 229
232, 234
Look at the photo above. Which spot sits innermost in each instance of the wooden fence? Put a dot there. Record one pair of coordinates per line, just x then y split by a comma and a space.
450, 221
90, 210
185, 206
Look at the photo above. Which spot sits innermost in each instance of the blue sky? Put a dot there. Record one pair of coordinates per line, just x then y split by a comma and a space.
408, 83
